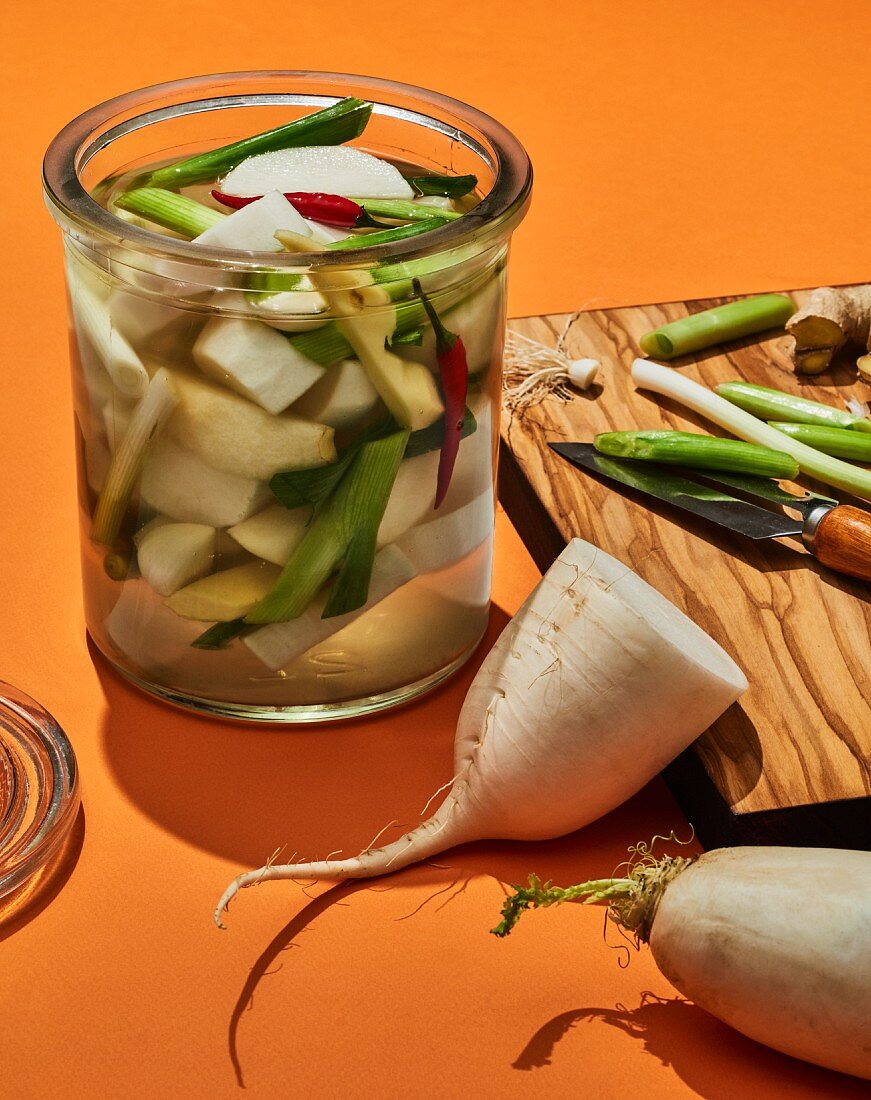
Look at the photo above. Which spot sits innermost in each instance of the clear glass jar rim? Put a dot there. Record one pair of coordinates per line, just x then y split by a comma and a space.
496, 214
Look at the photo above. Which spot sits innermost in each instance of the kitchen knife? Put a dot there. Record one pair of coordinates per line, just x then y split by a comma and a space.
838, 535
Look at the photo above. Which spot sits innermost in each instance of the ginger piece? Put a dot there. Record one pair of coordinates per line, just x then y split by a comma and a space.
828, 320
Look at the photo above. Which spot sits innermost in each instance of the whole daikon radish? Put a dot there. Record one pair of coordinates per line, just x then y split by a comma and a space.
775, 942
592, 688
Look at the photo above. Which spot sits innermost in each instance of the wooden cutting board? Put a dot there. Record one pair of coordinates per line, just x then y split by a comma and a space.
790, 762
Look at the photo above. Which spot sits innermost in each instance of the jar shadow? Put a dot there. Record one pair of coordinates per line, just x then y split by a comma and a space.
238, 789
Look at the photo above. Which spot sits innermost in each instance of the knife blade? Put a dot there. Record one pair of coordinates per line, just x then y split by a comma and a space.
838, 535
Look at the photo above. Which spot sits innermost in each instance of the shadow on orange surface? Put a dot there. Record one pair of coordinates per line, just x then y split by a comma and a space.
589, 853
673, 1030
313, 787
28, 901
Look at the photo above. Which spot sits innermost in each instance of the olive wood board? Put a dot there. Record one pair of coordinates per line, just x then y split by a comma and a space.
790, 762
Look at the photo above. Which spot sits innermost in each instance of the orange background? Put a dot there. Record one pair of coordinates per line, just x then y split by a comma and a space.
681, 149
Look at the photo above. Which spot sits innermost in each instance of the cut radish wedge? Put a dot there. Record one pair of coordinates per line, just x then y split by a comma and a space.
334, 169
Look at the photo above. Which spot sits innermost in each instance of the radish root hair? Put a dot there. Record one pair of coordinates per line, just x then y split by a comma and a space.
632, 900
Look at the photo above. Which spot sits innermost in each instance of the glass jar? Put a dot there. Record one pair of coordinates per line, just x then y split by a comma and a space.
218, 572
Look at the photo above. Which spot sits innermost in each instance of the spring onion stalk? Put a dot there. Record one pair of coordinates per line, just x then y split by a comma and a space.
717, 325
452, 187
703, 452
412, 339
770, 404
311, 486
334, 125
327, 345
669, 383
344, 530
175, 212
403, 210
158, 402
839, 442
388, 236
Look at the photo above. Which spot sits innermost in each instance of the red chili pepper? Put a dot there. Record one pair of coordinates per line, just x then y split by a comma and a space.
454, 373
318, 207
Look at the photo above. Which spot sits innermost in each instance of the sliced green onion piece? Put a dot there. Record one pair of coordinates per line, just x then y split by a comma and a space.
703, 452
770, 404
717, 325
673, 384
351, 513
453, 187
840, 442
402, 210
411, 339
220, 635
158, 402
334, 125
175, 212
388, 236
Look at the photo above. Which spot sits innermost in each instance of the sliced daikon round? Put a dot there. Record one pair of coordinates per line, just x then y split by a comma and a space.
333, 169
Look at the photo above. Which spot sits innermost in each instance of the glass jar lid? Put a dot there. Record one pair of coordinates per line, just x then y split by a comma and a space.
39, 790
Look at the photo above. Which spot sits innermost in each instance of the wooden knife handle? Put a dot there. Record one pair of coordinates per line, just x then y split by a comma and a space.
842, 541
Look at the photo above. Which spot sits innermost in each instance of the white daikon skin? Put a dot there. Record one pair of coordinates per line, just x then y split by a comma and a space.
775, 942
334, 169
592, 688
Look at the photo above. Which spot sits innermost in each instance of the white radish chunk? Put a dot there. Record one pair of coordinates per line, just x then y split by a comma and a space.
238, 437
290, 311
449, 538
332, 169
144, 631
227, 595
273, 534
280, 643
139, 318
253, 227
593, 687
93, 319
440, 202
327, 234
174, 554
344, 394
180, 485
776, 942
152, 525
255, 361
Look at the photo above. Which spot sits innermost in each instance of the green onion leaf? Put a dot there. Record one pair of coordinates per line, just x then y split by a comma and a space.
334, 125
771, 404
175, 212
453, 187
402, 210
840, 442
703, 452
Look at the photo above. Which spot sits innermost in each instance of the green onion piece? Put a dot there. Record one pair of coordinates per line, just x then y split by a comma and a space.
412, 339
149, 415
220, 635
388, 236
840, 442
670, 383
365, 510
175, 212
703, 452
429, 439
770, 404
717, 325
327, 345
334, 125
453, 187
402, 210
356, 507
298, 488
